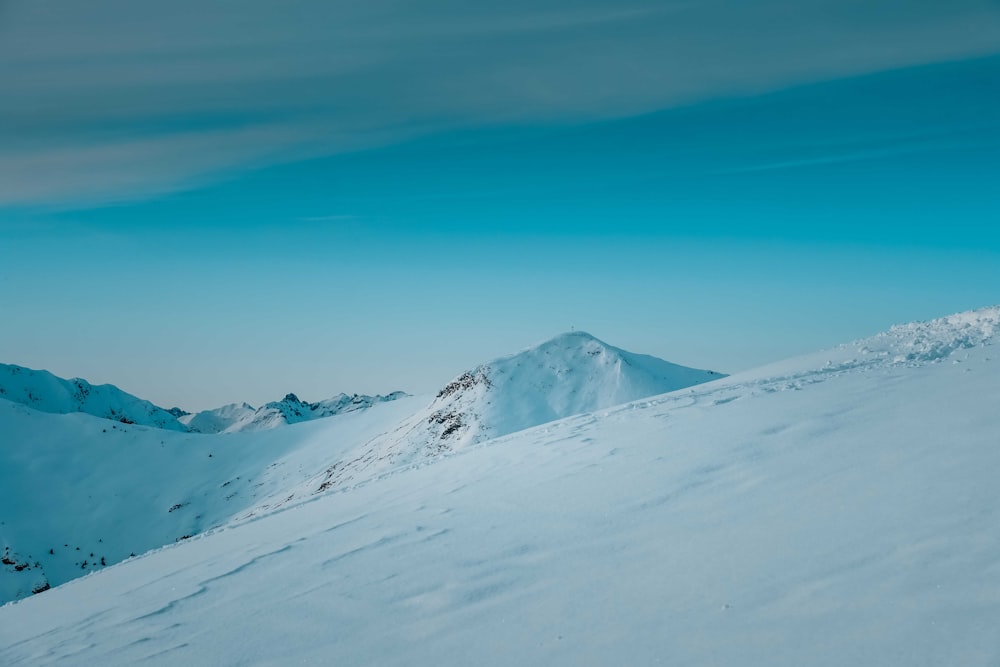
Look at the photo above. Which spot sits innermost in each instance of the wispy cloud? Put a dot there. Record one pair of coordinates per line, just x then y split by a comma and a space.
806, 156
132, 167
112, 99
344, 218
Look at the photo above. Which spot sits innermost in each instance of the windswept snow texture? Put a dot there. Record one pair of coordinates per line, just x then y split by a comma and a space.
836, 509
570, 374
289, 410
44, 391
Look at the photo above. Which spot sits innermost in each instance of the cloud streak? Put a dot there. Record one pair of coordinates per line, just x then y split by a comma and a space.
110, 100
888, 148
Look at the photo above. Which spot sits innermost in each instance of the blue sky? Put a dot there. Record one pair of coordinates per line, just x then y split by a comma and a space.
274, 211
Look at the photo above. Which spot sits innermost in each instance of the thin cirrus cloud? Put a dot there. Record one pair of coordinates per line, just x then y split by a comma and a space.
113, 100
931, 143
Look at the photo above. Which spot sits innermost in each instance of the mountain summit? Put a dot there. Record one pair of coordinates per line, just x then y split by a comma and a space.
570, 374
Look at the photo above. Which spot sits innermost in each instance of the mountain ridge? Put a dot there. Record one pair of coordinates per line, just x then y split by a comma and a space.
238, 417
46, 392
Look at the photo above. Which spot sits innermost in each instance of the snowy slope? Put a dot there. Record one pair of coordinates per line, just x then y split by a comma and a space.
44, 391
81, 493
289, 410
840, 508
147, 488
570, 374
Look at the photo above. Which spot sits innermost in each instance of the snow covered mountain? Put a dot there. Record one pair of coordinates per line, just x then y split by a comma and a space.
147, 488
836, 508
289, 410
570, 374
567, 375
44, 391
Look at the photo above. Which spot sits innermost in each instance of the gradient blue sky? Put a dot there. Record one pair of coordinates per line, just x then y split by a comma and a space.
316, 197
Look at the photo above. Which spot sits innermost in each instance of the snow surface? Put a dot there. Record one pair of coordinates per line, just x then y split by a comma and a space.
44, 391
834, 509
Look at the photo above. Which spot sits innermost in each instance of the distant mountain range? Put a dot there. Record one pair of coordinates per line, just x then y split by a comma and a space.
289, 410
46, 392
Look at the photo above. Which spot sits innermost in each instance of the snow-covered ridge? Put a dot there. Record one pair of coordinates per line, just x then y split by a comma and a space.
910, 345
291, 409
45, 392
937, 339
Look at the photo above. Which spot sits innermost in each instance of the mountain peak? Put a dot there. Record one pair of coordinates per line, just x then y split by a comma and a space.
571, 373
568, 340
568, 374
572, 336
